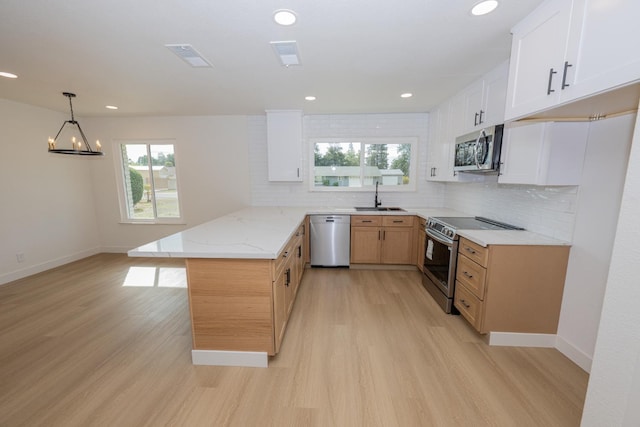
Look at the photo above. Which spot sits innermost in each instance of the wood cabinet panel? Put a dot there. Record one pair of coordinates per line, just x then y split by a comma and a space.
523, 287
365, 245
468, 304
366, 220
474, 251
231, 304
472, 275
397, 221
397, 245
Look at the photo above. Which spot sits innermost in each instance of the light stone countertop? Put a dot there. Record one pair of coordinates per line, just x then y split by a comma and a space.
509, 237
262, 233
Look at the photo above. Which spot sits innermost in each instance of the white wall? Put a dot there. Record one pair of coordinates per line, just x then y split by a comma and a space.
265, 193
597, 211
48, 211
614, 383
212, 164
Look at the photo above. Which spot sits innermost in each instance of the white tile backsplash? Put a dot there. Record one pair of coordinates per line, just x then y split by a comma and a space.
265, 193
545, 210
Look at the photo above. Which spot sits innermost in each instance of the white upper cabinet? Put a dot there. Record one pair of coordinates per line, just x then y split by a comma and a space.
604, 46
543, 153
439, 164
570, 49
284, 145
537, 59
484, 101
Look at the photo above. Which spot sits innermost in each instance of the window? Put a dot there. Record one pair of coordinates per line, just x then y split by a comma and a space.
347, 165
150, 187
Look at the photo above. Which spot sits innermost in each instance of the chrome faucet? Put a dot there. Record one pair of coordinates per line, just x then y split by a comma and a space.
375, 200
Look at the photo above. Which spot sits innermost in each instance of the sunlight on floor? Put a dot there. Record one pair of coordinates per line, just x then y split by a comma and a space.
162, 277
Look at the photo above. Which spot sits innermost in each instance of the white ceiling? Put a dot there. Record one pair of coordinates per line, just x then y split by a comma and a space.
357, 56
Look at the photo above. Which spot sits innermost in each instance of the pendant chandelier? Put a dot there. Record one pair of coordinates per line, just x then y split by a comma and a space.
78, 147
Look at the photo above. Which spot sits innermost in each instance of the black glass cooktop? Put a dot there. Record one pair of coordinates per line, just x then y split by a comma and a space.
475, 223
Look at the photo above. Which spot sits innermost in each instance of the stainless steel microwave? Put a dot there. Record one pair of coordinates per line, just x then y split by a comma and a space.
479, 151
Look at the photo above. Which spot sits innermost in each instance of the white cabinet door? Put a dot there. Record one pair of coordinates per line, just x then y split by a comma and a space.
284, 145
495, 95
473, 107
537, 58
543, 153
604, 46
440, 140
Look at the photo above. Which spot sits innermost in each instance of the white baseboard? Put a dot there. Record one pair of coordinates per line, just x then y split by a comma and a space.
574, 354
47, 265
512, 339
255, 359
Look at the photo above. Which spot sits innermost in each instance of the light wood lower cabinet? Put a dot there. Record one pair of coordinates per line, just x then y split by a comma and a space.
379, 239
244, 304
421, 241
510, 288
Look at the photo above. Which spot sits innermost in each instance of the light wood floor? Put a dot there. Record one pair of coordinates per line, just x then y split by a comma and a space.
363, 348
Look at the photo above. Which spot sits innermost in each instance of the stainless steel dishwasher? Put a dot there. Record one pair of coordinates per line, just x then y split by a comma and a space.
330, 240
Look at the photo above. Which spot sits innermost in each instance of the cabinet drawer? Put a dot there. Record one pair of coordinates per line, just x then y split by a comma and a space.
366, 220
397, 221
470, 306
472, 275
474, 251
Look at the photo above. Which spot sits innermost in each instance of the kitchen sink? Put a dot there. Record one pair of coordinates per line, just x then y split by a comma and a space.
378, 209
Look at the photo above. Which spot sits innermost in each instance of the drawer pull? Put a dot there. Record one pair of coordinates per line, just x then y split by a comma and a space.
366, 220
463, 302
285, 254
468, 249
398, 220
467, 274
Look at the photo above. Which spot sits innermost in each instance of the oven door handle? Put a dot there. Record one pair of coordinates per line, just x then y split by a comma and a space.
439, 239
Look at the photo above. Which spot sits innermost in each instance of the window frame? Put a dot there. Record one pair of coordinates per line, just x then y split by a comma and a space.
120, 172
413, 167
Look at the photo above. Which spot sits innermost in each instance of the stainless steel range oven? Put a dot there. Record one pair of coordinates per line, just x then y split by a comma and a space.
441, 254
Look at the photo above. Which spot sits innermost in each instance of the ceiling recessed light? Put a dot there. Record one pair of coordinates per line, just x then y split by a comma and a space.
8, 75
484, 7
406, 95
110, 107
284, 17
310, 98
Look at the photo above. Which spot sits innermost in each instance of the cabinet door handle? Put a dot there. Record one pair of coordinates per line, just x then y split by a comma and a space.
298, 172
475, 120
285, 254
480, 121
384, 233
288, 277
299, 251
463, 302
468, 249
467, 274
564, 75
551, 73
378, 234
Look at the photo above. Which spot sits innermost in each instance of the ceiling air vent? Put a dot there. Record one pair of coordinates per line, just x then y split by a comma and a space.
287, 51
188, 54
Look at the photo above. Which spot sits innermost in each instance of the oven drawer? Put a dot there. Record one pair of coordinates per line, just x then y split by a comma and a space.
474, 251
469, 306
472, 275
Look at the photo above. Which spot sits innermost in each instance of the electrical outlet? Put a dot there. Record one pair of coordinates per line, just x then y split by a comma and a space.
20, 257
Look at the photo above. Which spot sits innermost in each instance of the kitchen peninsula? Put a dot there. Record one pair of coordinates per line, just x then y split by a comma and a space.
243, 272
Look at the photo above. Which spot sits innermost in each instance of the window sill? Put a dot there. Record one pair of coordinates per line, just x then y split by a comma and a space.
152, 222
